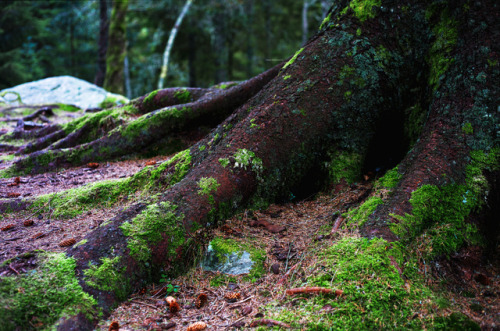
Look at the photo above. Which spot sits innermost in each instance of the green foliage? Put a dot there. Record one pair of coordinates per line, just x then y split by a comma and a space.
109, 276
146, 229
44, 294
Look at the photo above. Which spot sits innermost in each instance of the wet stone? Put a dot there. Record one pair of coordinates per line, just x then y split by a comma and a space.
235, 263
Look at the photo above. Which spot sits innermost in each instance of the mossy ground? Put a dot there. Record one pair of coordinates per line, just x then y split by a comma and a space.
38, 298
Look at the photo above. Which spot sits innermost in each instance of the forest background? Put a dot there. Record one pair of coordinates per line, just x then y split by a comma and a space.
219, 40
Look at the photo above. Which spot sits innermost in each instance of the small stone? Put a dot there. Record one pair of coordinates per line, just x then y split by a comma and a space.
275, 268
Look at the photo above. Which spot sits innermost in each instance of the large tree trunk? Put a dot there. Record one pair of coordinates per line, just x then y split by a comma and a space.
430, 68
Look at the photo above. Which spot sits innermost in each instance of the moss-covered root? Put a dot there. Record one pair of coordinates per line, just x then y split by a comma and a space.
168, 97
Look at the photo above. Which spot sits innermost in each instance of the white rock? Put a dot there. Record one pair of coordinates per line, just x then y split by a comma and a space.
62, 89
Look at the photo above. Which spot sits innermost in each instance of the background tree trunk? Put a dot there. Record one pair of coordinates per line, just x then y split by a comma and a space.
117, 48
102, 43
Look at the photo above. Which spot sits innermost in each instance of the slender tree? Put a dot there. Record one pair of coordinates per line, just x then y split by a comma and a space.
170, 43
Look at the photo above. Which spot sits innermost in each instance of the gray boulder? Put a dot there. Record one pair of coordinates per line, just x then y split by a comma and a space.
62, 89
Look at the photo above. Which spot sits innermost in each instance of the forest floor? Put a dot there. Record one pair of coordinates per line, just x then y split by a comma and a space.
301, 230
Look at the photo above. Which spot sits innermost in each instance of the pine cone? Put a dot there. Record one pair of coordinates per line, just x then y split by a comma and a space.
197, 326
93, 165
173, 305
67, 242
8, 227
201, 300
29, 222
232, 296
13, 195
114, 326
150, 163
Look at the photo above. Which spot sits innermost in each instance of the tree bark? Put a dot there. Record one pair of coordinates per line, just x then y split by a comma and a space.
102, 43
117, 48
368, 71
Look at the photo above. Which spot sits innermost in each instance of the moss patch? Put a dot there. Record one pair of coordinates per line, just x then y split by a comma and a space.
108, 277
42, 295
292, 60
375, 295
437, 224
146, 230
344, 165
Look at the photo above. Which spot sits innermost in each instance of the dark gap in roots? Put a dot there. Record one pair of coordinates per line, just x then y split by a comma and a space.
389, 144
310, 184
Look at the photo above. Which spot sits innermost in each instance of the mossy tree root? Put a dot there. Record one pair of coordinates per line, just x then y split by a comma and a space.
139, 133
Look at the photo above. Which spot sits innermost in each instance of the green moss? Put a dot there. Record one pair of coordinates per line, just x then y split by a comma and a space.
73, 202
182, 161
81, 242
202, 148
437, 224
286, 77
207, 185
109, 276
358, 216
224, 162
375, 296
245, 158
416, 117
325, 22
253, 125
292, 60
170, 116
149, 99
344, 165
68, 108
439, 58
467, 128
43, 295
363, 9
112, 100
147, 228
7, 157
183, 95
390, 179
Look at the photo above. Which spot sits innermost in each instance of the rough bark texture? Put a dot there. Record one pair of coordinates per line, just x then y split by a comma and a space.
429, 68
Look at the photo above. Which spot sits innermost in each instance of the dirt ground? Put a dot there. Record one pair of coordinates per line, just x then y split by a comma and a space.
289, 254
